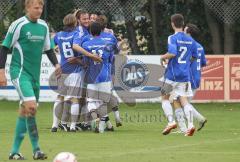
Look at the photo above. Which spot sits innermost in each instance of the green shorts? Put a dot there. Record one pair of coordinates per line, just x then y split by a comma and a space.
28, 89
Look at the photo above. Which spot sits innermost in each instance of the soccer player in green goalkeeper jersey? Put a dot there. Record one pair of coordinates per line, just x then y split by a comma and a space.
28, 37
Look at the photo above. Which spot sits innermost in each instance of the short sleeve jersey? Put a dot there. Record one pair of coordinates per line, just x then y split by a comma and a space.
183, 47
82, 33
97, 72
64, 40
196, 66
28, 40
112, 47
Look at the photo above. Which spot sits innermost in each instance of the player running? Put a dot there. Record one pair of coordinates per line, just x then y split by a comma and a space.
181, 48
195, 72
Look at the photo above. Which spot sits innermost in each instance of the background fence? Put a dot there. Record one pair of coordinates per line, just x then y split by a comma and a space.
145, 24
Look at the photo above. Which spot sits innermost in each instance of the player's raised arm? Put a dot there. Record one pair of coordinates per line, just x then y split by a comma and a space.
3, 58
78, 48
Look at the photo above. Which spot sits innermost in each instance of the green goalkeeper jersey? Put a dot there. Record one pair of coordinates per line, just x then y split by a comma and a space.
28, 41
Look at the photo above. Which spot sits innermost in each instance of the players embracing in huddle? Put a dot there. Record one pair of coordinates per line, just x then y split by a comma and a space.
86, 72
89, 55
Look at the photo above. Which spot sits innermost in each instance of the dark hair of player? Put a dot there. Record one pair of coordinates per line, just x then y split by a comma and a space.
69, 22
102, 20
95, 28
177, 20
193, 30
95, 13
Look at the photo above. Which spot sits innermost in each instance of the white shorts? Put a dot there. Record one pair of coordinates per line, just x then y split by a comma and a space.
179, 88
74, 82
100, 91
62, 88
98, 94
93, 104
194, 91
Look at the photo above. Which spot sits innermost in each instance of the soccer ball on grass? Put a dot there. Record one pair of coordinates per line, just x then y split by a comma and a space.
65, 157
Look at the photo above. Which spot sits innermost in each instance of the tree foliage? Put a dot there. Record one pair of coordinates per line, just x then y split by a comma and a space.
56, 10
148, 31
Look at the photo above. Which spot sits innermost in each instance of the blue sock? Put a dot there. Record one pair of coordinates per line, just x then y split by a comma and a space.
33, 133
20, 131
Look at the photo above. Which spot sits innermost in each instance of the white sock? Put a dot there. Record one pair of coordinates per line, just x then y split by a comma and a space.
181, 119
84, 114
168, 111
74, 115
189, 115
197, 115
66, 111
117, 116
101, 126
57, 111
108, 122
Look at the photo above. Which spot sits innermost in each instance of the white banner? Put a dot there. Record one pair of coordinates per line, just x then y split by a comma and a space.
136, 71
46, 94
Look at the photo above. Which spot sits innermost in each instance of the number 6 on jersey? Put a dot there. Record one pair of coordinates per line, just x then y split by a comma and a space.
67, 49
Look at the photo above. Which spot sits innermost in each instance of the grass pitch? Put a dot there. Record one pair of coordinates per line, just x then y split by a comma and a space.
138, 140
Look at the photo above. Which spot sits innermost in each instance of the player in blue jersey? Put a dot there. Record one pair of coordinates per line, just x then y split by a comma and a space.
181, 49
98, 76
112, 42
82, 28
66, 96
93, 16
83, 22
195, 70
69, 85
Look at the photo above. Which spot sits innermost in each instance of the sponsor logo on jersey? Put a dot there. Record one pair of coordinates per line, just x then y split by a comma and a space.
34, 38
